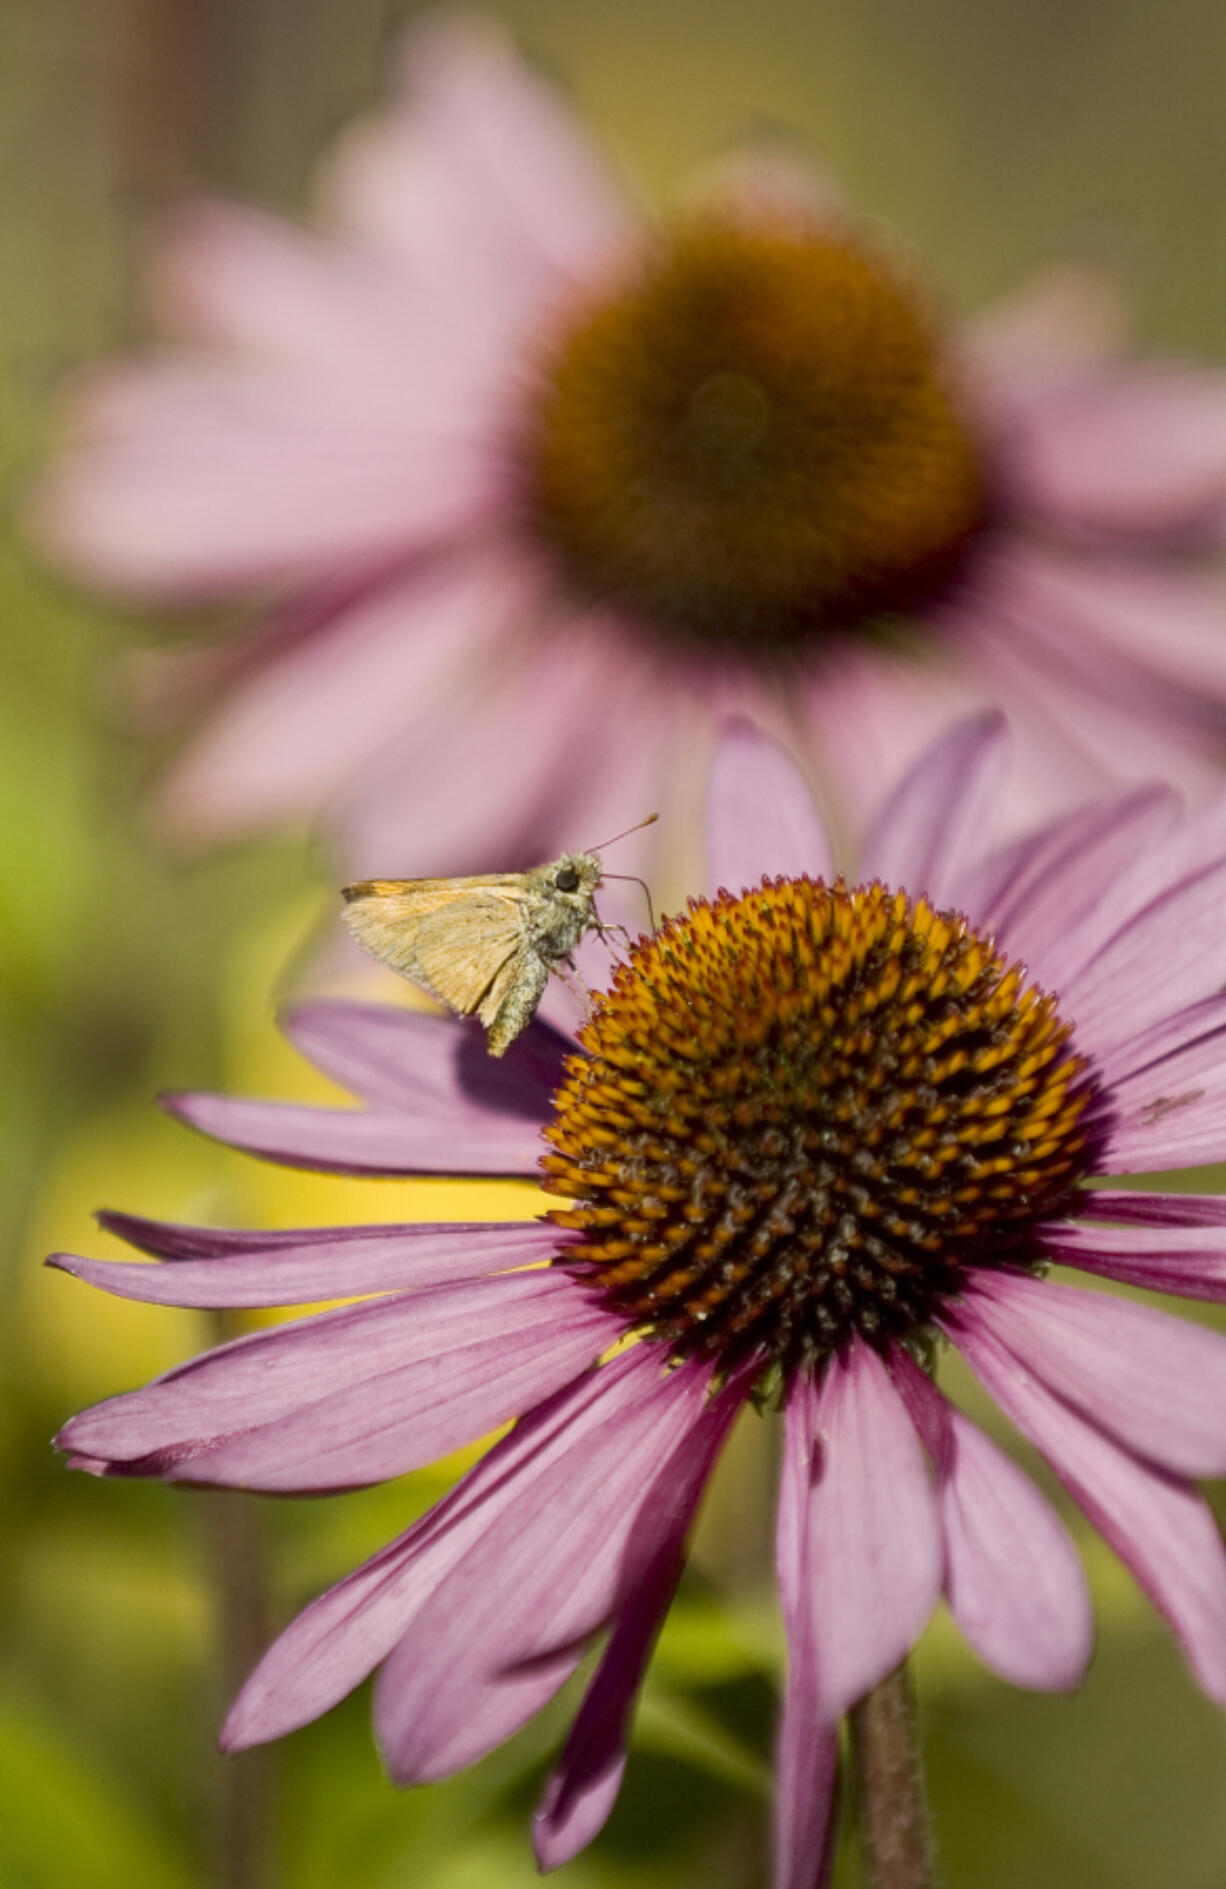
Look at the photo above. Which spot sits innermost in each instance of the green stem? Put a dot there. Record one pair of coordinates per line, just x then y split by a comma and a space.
889, 1778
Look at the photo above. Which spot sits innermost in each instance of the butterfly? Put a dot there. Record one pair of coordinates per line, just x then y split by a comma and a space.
485, 946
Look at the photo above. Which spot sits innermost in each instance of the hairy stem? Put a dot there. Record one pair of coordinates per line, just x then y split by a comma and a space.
890, 1795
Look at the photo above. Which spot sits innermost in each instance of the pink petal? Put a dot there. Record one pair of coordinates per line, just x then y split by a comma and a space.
479, 174
1165, 1101
760, 815
1029, 893
587, 1778
873, 715
939, 820
360, 1141
188, 480
1188, 851
1189, 1259
1155, 1210
1061, 326
238, 278
874, 1540
512, 1619
1171, 954
1160, 1527
1088, 718
311, 1264
1137, 451
405, 1060
1155, 1383
1013, 1579
1186, 1039
561, 734
807, 1755
380, 671
1143, 639
354, 1396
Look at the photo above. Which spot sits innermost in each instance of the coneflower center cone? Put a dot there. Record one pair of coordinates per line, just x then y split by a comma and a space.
751, 442
800, 1115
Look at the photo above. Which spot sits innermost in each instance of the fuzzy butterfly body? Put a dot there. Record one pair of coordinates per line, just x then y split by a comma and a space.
484, 946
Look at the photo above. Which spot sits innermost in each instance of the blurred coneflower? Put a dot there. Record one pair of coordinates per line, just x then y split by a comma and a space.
525, 490
813, 1131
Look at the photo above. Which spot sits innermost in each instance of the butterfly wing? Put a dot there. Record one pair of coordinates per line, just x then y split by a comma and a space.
453, 935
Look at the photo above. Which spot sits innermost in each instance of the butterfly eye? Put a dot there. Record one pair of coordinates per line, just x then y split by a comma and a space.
566, 879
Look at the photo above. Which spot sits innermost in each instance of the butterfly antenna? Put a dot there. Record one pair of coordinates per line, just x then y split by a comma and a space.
629, 879
636, 828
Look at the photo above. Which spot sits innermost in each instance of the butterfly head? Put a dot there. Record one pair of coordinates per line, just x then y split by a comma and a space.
575, 876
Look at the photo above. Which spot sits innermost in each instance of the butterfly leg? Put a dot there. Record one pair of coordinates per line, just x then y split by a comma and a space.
566, 969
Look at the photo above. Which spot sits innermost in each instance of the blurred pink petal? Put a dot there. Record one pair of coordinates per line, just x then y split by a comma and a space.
1139, 451
352, 426
760, 815
933, 825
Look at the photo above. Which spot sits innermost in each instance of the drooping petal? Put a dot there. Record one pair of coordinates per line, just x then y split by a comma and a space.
513, 1618
587, 1777
1159, 1526
1013, 1578
583, 1787
938, 821
365, 1141
760, 815
807, 1745
1155, 1383
351, 1397
874, 1548
309, 1264
341, 1637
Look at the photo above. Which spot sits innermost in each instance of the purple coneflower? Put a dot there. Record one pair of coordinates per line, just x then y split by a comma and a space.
525, 490
814, 1130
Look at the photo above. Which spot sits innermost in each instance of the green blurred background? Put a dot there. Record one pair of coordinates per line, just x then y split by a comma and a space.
991, 135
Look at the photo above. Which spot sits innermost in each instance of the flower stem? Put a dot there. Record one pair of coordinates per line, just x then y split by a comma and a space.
246, 1783
893, 1806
